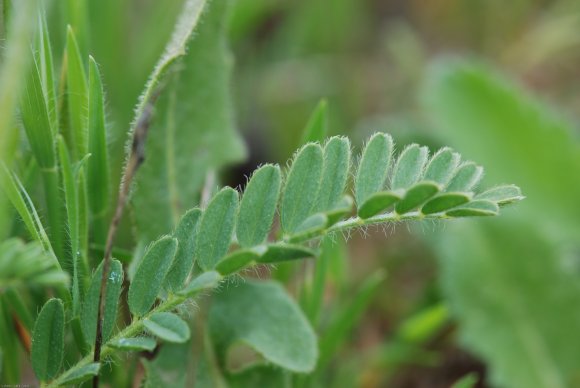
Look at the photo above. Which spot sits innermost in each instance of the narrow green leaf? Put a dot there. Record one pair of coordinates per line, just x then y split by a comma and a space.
409, 167
77, 99
378, 202
442, 166
82, 374
340, 210
466, 178
206, 281
258, 206
336, 167
98, 167
263, 316
301, 187
475, 208
168, 327
185, 233
237, 261
317, 126
150, 275
417, 195
444, 202
216, 228
280, 252
136, 344
48, 340
91, 302
502, 195
467, 381
373, 167
47, 73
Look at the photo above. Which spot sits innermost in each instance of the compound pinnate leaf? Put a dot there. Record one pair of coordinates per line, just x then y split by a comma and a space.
205, 281
502, 195
442, 166
48, 340
168, 327
378, 202
301, 187
216, 228
336, 167
409, 167
186, 234
373, 167
134, 344
237, 261
82, 374
263, 316
91, 302
258, 206
445, 202
150, 275
475, 208
466, 178
417, 195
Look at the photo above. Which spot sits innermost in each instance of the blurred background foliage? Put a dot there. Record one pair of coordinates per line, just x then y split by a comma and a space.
496, 80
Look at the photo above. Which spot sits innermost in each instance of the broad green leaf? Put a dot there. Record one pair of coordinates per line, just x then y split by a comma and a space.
279, 252
502, 195
378, 202
237, 261
263, 316
206, 281
135, 344
98, 168
185, 233
216, 228
301, 187
258, 206
336, 168
169, 367
409, 167
77, 98
475, 208
506, 284
466, 178
441, 167
150, 275
168, 327
317, 126
445, 201
81, 374
417, 195
373, 167
91, 302
193, 130
48, 340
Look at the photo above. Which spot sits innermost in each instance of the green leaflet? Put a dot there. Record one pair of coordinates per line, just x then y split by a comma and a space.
258, 206
45, 63
205, 281
185, 233
466, 178
444, 202
442, 165
502, 195
280, 252
237, 261
91, 302
82, 374
336, 167
136, 344
216, 228
193, 117
311, 227
301, 187
48, 340
373, 167
98, 167
409, 167
265, 318
377, 203
317, 126
150, 275
417, 195
509, 323
77, 99
168, 327
475, 208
